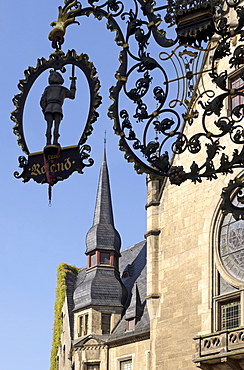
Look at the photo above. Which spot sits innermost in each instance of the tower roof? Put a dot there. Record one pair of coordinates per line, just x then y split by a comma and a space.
103, 235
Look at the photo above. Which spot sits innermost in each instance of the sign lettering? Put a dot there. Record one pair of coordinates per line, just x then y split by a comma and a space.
68, 162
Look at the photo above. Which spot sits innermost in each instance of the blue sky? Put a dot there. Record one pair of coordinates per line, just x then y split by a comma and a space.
35, 238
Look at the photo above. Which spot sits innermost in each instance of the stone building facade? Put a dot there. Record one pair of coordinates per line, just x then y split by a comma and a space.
174, 301
195, 262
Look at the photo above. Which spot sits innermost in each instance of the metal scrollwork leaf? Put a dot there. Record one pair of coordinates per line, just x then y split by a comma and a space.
235, 187
238, 57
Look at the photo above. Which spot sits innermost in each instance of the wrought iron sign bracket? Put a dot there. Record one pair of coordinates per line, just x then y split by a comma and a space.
203, 33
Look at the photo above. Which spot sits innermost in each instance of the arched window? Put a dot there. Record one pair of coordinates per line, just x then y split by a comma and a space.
231, 246
229, 276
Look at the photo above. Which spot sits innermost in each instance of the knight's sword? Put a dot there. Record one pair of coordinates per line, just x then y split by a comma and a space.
73, 78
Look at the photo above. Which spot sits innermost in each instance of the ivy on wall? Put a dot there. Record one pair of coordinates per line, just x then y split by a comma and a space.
62, 271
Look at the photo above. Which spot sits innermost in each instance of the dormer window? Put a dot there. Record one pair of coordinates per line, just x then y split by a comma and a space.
104, 258
128, 271
125, 274
93, 259
131, 324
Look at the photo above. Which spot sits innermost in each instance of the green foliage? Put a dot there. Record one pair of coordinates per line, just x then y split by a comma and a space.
62, 271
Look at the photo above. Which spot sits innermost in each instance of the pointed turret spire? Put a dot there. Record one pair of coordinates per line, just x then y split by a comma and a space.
102, 285
103, 211
103, 234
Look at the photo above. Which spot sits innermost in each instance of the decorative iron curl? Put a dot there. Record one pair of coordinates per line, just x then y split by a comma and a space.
166, 123
234, 189
22, 164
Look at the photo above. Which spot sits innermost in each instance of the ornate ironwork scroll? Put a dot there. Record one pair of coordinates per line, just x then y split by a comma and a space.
158, 98
233, 199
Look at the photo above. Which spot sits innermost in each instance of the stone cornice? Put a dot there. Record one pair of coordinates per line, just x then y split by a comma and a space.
113, 342
84, 347
130, 339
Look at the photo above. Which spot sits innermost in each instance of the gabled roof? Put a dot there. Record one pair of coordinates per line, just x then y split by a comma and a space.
91, 339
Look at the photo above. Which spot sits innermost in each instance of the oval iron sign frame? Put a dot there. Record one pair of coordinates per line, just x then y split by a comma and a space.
57, 61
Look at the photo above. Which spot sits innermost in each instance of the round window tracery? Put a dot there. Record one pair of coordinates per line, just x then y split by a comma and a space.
231, 246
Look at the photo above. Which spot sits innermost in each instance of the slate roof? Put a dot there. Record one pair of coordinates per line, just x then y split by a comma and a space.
136, 283
100, 287
71, 279
103, 235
